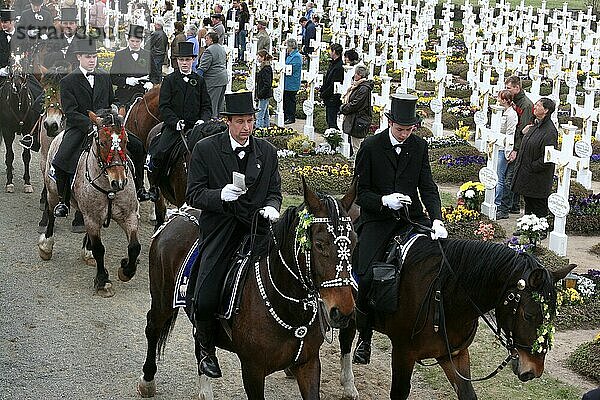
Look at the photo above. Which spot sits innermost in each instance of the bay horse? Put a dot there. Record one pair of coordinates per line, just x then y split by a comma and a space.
103, 190
469, 278
143, 114
288, 295
17, 117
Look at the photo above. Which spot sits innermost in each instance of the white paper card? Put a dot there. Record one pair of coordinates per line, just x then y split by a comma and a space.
239, 180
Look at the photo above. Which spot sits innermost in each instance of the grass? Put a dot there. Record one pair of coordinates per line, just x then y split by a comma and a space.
485, 356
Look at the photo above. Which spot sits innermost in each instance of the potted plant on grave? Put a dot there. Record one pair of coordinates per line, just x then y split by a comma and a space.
471, 195
532, 228
301, 144
333, 137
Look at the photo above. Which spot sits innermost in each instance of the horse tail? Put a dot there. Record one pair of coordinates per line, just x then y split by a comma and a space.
165, 332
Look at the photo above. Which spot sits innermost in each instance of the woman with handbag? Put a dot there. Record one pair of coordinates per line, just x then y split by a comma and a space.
356, 107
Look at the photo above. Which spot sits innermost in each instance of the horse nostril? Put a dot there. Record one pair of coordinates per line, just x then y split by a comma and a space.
115, 185
526, 376
54, 126
46, 125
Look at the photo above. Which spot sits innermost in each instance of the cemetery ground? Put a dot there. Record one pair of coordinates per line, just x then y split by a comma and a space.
58, 340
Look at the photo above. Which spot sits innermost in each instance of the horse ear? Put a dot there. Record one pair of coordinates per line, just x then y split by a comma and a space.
561, 273
310, 198
536, 278
350, 195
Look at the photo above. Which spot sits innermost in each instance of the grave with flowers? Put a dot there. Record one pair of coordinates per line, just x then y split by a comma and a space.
586, 359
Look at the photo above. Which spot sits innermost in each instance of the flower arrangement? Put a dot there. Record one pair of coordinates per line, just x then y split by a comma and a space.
586, 287
459, 213
589, 205
323, 170
545, 331
463, 111
333, 137
532, 227
324, 148
461, 161
486, 231
471, 195
568, 296
463, 132
286, 153
445, 141
302, 229
301, 144
274, 131
519, 245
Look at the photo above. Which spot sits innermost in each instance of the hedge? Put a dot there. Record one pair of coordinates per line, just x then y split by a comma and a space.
586, 359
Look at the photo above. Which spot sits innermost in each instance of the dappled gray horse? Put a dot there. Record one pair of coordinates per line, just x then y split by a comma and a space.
103, 190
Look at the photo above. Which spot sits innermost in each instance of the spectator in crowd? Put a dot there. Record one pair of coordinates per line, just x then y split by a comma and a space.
218, 9
508, 127
335, 74
533, 175
213, 68
243, 20
202, 32
309, 31
351, 57
264, 87
357, 109
217, 24
263, 38
98, 20
291, 81
191, 35
157, 45
178, 38
316, 20
62, 49
310, 10
35, 23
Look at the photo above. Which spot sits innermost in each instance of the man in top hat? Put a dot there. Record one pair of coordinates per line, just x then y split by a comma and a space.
9, 40
35, 22
183, 103
64, 44
131, 68
227, 211
393, 174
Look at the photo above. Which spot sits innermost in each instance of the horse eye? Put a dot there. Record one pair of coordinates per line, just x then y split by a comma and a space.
320, 246
528, 316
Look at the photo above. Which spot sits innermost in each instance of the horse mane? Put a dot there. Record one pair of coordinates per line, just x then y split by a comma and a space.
477, 264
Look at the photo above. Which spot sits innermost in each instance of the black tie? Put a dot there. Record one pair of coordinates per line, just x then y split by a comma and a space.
245, 149
90, 73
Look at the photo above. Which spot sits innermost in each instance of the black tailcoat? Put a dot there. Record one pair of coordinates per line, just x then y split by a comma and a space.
381, 172
125, 66
77, 98
222, 224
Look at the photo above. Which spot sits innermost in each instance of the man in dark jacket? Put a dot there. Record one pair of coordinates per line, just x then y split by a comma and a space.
335, 73
227, 211
35, 23
393, 173
10, 43
63, 45
183, 103
157, 45
309, 31
524, 108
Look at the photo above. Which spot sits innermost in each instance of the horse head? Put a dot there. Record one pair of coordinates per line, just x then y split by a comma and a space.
331, 240
54, 117
111, 146
525, 316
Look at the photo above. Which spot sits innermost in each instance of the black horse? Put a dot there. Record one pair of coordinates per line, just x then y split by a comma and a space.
444, 288
17, 116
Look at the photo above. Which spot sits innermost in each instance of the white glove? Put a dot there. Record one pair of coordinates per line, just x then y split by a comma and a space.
199, 122
4, 71
269, 213
44, 36
148, 85
439, 231
131, 81
231, 192
180, 125
396, 201
144, 78
32, 32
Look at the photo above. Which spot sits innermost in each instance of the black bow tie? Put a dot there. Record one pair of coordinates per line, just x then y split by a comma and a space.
90, 73
134, 51
399, 146
245, 149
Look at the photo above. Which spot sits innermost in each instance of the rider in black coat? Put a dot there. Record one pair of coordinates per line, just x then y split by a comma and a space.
227, 211
393, 173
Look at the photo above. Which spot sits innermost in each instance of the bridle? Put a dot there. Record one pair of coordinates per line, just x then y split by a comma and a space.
23, 94
312, 298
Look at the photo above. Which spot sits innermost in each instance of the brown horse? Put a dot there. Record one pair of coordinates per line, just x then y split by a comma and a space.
288, 295
103, 189
143, 114
469, 278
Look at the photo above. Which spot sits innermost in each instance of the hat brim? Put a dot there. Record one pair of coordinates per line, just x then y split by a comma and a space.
247, 112
409, 122
186, 55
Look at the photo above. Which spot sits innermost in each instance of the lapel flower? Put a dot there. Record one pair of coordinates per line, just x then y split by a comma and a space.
193, 82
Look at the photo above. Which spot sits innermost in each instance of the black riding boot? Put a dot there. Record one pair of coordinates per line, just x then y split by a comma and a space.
63, 186
362, 353
208, 363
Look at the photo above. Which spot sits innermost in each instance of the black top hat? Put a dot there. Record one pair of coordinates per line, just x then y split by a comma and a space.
239, 103
68, 14
404, 110
186, 49
136, 31
7, 15
86, 45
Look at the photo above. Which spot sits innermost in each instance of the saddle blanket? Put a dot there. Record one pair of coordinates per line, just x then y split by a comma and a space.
183, 276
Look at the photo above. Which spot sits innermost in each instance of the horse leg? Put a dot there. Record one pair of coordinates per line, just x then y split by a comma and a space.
26, 156
402, 368
462, 363
45, 217
160, 210
43, 198
10, 158
129, 264
86, 251
46, 240
308, 376
205, 391
159, 322
346, 337
78, 225
102, 285
254, 380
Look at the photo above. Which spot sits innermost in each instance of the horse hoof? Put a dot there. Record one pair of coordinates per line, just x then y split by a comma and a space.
45, 246
41, 228
88, 257
10, 188
105, 291
78, 228
122, 276
146, 389
27, 189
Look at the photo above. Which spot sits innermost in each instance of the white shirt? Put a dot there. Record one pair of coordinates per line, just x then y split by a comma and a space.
9, 35
235, 145
394, 142
134, 53
90, 78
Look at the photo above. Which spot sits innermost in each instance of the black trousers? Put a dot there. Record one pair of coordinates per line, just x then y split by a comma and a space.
331, 113
136, 151
289, 105
536, 206
161, 146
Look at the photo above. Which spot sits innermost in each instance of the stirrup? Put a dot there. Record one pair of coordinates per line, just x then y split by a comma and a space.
26, 141
209, 366
61, 210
